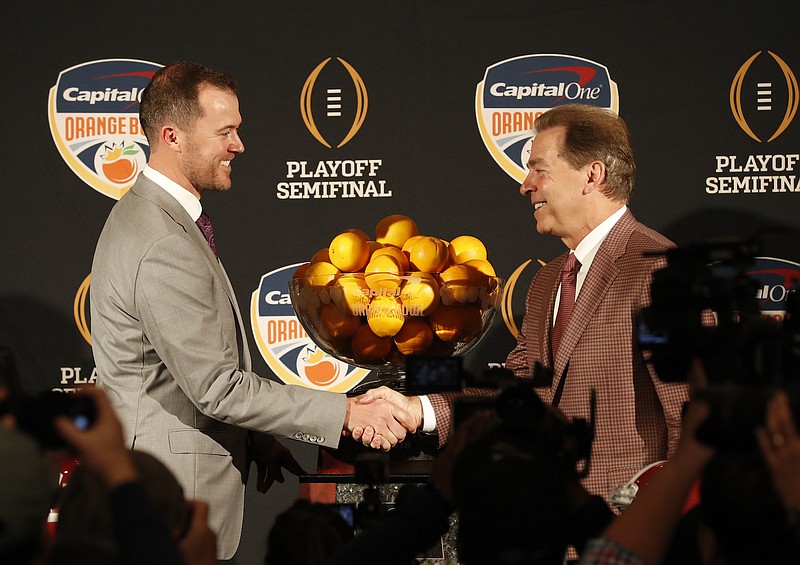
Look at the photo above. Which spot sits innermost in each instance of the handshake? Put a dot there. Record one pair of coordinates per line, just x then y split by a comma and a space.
380, 418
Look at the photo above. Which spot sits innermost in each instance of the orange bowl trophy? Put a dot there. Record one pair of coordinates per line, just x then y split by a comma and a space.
377, 318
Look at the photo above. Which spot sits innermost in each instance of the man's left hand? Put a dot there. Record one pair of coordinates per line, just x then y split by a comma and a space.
271, 457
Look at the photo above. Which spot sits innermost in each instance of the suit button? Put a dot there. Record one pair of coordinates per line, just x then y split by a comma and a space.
298, 435
321, 439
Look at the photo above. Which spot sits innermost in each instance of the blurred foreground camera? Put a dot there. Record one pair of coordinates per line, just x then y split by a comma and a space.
35, 414
704, 307
522, 414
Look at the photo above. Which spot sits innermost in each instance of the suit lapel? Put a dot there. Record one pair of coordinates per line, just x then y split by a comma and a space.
545, 329
147, 189
598, 280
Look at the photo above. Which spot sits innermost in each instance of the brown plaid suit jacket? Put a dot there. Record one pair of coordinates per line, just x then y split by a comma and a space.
638, 417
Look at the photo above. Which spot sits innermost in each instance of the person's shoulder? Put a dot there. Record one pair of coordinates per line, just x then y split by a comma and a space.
650, 238
642, 238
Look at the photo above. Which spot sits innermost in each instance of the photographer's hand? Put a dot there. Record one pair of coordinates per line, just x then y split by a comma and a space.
101, 447
780, 447
199, 545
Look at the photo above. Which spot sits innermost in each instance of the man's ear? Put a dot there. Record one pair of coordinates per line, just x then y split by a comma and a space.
171, 137
595, 176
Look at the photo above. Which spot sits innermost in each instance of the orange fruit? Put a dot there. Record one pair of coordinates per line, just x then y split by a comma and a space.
395, 230
483, 273
369, 347
383, 274
321, 274
396, 253
450, 323
385, 316
351, 294
337, 325
409, 242
373, 246
428, 254
481, 266
474, 322
457, 285
414, 338
349, 252
300, 271
321, 255
359, 232
466, 247
420, 294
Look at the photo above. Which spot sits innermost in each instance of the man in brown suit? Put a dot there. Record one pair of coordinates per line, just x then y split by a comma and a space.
580, 179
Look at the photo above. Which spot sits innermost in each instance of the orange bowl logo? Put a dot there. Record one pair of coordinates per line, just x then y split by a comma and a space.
514, 92
764, 96
285, 345
340, 113
93, 110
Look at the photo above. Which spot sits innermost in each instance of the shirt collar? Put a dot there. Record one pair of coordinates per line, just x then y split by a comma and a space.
186, 199
587, 248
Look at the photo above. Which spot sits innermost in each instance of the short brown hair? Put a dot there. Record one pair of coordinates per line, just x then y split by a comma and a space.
172, 96
593, 133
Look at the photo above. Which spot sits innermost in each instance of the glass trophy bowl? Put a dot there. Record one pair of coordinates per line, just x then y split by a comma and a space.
376, 320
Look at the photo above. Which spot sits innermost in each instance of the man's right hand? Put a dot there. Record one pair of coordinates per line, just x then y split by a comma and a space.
411, 404
388, 422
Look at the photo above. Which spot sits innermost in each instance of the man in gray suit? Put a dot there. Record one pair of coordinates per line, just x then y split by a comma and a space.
167, 335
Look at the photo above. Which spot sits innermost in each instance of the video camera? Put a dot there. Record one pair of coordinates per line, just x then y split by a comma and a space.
519, 410
704, 306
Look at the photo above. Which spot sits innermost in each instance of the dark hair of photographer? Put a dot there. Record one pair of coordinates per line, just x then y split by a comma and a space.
86, 524
511, 502
519, 499
306, 533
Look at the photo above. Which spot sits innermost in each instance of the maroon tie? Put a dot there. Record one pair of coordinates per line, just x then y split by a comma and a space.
204, 223
569, 274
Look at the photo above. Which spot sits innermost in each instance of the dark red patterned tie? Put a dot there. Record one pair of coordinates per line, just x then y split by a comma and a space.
204, 223
569, 274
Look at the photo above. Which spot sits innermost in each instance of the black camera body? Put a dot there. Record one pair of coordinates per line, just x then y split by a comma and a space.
35, 414
522, 415
704, 306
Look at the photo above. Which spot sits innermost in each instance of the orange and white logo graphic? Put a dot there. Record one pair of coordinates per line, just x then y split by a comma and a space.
93, 110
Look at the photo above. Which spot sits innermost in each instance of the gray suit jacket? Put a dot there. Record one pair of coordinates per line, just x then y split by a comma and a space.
171, 352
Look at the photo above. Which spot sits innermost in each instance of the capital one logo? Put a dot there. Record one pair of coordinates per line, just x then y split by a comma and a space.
334, 103
764, 96
514, 92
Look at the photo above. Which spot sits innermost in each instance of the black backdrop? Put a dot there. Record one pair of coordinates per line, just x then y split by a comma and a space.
674, 64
